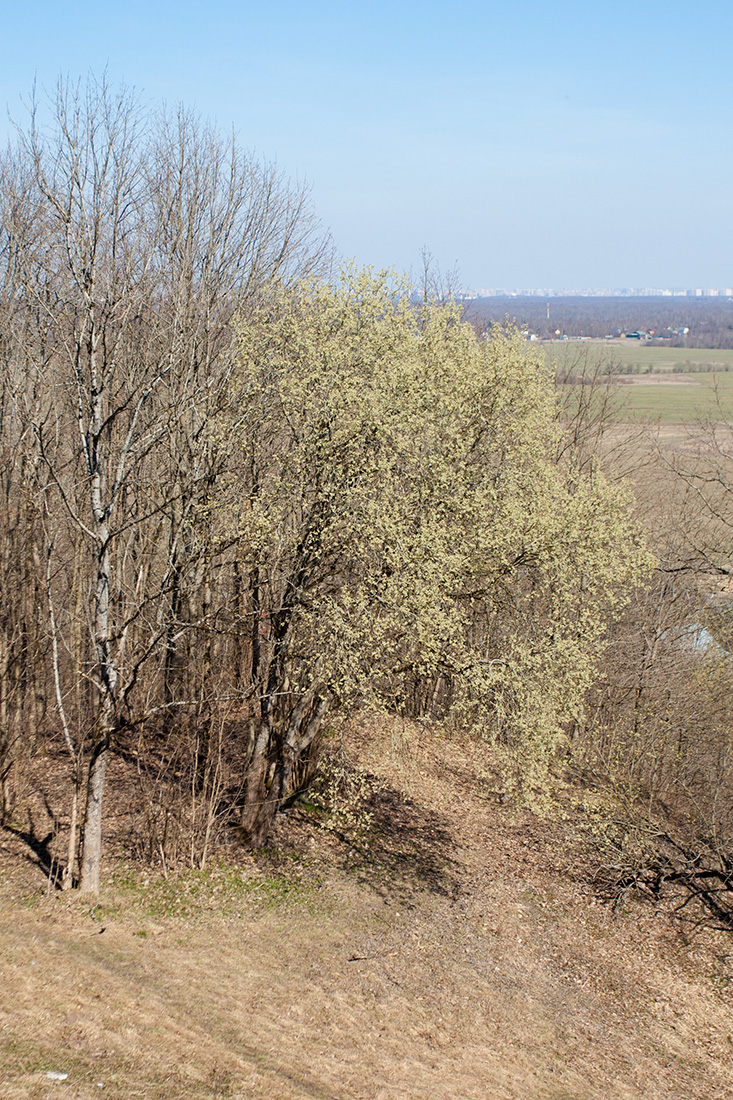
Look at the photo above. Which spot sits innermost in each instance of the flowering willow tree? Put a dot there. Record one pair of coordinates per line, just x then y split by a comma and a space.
402, 521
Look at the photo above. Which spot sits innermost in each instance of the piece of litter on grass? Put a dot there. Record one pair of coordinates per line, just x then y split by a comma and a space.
54, 1075
100, 1084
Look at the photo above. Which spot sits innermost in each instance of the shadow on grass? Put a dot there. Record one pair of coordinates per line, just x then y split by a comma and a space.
390, 843
407, 848
38, 849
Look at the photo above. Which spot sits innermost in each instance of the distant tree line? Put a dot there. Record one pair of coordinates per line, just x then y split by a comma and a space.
710, 320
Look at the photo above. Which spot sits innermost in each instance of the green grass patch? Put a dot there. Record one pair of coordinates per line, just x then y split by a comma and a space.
706, 397
221, 889
671, 385
628, 354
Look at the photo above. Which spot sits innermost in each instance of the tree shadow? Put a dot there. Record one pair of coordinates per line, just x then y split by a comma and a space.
38, 844
406, 849
394, 845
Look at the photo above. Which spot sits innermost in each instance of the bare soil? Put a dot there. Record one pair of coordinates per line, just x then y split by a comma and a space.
430, 943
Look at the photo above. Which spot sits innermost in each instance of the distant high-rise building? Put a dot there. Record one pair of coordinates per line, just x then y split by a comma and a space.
605, 292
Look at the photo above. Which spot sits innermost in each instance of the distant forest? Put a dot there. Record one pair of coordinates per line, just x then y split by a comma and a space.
710, 320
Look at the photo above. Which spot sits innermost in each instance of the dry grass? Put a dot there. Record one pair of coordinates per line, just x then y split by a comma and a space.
443, 948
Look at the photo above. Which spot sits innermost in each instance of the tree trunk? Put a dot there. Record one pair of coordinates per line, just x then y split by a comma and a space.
252, 822
272, 770
92, 853
67, 880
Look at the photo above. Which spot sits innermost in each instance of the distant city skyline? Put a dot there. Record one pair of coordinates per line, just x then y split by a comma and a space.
595, 292
525, 145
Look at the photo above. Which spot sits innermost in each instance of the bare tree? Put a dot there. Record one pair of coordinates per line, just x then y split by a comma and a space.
135, 238
656, 727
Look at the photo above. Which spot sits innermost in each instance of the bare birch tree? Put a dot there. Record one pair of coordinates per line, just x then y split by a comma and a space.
135, 237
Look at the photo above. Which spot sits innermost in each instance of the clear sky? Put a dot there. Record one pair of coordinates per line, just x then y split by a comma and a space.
570, 143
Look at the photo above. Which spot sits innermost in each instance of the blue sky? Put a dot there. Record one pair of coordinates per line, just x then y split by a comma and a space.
530, 144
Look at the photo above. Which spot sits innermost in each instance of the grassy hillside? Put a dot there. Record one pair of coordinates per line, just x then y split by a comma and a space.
424, 942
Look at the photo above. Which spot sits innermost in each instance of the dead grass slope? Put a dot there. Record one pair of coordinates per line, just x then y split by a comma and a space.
442, 948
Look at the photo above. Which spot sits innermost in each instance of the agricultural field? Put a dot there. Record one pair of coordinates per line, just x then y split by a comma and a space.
669, 385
